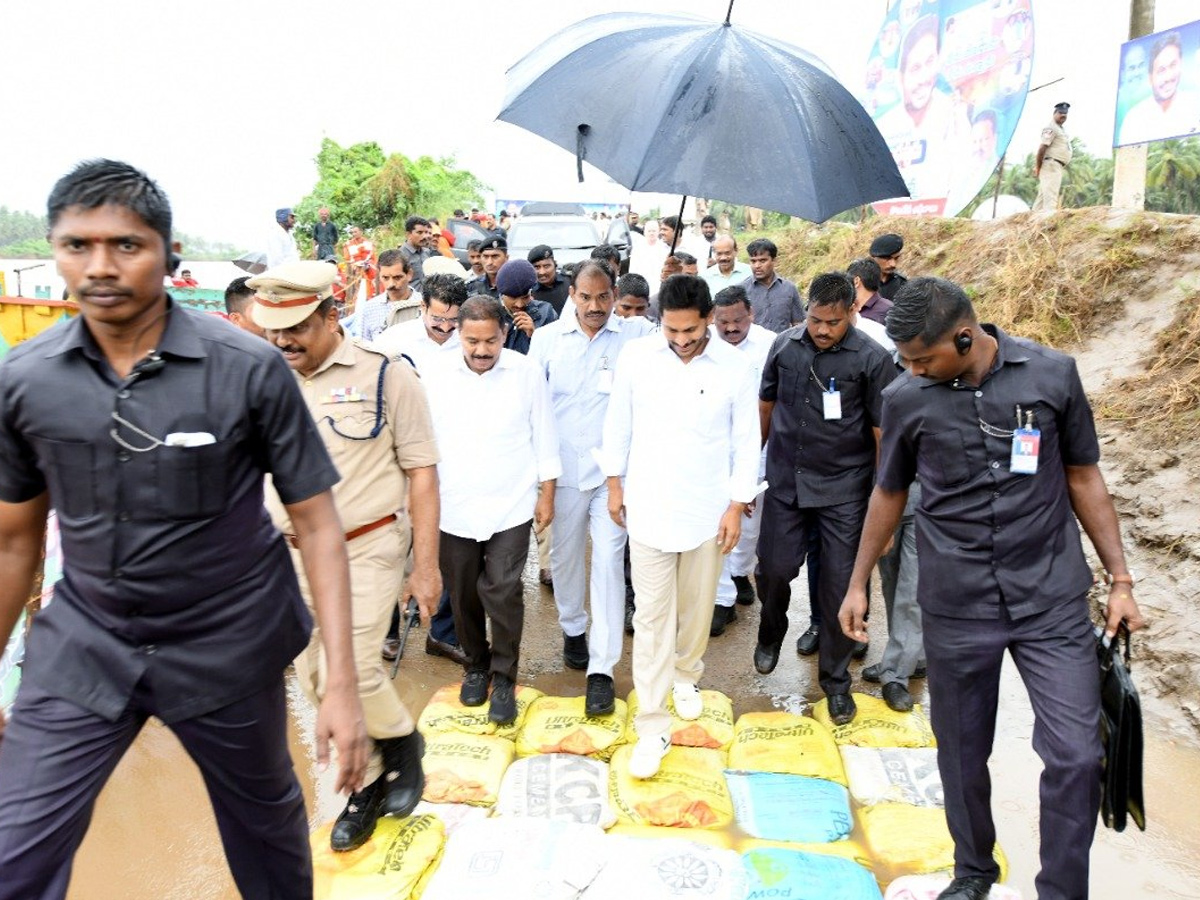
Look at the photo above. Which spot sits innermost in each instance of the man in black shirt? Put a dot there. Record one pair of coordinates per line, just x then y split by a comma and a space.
820, 404
552, 287
178, 599
886, 250
325, 237
999, 433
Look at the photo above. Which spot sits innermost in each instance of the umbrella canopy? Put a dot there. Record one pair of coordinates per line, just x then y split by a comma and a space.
254, 262
683, 105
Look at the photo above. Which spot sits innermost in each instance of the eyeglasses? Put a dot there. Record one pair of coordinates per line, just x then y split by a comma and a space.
442, 320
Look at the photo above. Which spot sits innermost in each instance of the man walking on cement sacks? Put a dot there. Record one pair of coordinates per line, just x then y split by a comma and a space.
682, 463
1001, 436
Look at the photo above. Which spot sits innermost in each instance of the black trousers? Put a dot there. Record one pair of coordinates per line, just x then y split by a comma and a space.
783, 543
484, 579
1055, 654
56, 756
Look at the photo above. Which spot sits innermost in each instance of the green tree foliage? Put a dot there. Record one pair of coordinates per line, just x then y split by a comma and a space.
362, 186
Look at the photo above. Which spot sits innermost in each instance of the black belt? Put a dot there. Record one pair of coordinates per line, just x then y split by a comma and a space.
1059, 161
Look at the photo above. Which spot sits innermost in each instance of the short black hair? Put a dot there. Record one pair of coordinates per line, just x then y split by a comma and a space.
394, 258
684, 257
102, 182
633, 285
685, 292
481, 308
831, 289
671, 222
445, 288
608, 253
413, 221
732, 296
922, 28
1170, 39
237, 295
709, 220
928, 308
594, 265
867, 271
762, 245
474, 245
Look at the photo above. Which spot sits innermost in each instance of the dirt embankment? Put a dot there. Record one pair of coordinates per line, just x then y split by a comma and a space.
1121, 292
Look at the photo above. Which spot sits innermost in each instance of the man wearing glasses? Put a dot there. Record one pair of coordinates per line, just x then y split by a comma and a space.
177, 599
372, 415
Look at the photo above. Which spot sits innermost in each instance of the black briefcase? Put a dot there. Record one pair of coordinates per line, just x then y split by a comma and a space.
1121, 733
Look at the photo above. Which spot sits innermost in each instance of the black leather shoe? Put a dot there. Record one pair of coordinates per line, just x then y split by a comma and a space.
575, 651
403, 777
842, 708
973, 888
874, 673
745, 590
452, 652
600, 700
474, 688
723, 617
629, 610
766, 658
390, 649
357, 821
897, 697
809, 641
860, 650
503, 708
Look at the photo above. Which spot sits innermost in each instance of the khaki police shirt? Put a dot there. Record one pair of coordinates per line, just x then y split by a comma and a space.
1058, 145
343, 397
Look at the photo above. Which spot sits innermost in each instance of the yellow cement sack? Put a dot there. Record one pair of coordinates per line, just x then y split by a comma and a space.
560, 786
910, 840
876, 725
785, 744
444, 713
559, 725
848, 849
465, 768
451, 815
713, 730
689, 790
388, 866
893, 775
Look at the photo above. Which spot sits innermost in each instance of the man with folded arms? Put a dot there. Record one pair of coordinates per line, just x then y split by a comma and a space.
688, 453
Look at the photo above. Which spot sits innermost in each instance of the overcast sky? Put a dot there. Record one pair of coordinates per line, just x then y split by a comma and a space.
225, 103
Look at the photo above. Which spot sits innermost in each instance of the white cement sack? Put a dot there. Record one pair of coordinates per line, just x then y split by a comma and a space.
559, 786
927, 887
667, 869
893, 775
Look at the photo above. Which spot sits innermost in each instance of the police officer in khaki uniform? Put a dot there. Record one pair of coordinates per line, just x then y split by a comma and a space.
1053, 156
372, 415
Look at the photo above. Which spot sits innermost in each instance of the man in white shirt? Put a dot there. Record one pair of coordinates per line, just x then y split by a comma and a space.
733, 322
729, 270
688, 452
281, 244
495, 427
578, 355
425, 339
396, 304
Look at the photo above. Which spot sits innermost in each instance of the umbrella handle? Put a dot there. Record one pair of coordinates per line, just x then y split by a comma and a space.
679, 230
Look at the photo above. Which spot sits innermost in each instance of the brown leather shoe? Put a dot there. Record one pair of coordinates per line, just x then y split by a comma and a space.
452, 652
390, 649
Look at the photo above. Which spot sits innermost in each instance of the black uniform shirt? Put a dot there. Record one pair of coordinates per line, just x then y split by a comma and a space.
814, 461
173, 572
987, 536
555, 294
541, 312
887, 289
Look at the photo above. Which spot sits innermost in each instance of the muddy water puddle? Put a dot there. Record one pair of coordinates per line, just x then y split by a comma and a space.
153, 836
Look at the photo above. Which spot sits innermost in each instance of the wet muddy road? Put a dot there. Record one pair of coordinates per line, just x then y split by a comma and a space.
153, 836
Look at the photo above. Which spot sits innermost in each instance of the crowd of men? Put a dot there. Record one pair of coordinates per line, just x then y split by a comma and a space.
708, 442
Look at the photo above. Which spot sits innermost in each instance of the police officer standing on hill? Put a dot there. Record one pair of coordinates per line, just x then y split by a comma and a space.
1053, 157
374, 420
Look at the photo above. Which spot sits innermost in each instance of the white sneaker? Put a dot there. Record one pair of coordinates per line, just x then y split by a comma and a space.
688, 703
647, 756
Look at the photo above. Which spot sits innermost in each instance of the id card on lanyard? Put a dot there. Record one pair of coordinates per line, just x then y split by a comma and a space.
831, 401
1025, 445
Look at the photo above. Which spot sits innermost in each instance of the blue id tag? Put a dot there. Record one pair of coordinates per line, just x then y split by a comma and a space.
1025, 444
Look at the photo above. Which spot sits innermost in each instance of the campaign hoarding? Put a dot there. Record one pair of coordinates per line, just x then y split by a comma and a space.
946, 81
1158, 92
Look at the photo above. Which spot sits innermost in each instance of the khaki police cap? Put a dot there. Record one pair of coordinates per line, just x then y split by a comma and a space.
287, 294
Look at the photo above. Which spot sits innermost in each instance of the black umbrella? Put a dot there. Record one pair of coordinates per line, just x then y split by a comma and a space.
687, 106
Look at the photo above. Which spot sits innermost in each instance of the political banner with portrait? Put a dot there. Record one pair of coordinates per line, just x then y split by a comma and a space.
1158, 94
946, 82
